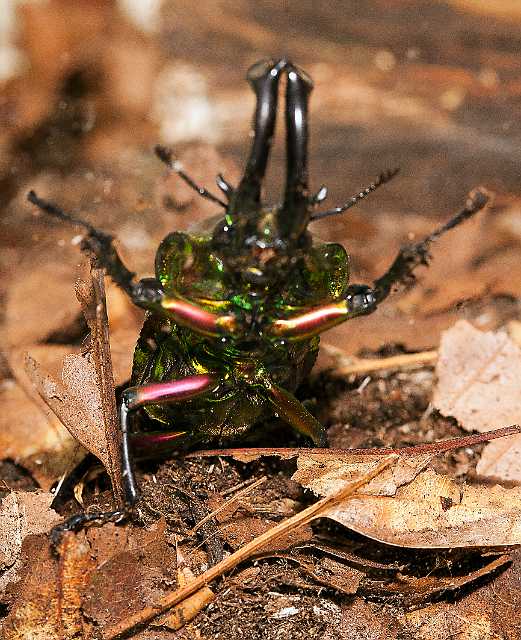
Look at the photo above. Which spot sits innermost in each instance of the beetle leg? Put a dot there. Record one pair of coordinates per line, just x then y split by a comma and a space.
402, 269
146, 293
361, 299
295, 413
95, 242
134, 398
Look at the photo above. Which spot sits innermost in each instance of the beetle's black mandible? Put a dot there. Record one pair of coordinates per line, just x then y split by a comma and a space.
264, 77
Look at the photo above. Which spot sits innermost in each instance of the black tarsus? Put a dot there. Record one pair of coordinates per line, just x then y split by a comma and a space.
410, 257
166, 156
100, 245
294, 213
383, 178
363, 299
264, 79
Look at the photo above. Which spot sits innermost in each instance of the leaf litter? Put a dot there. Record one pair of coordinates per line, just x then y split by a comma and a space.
406, 504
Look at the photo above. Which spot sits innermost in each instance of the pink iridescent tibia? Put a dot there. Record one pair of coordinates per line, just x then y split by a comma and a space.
171, 391
311, 323
195, 317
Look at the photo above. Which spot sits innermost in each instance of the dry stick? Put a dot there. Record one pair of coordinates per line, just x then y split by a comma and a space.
432, 447
237, 487
377, 364
300, 519
225, 505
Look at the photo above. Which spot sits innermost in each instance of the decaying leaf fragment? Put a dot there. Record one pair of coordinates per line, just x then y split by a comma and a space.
48, 606
433, 511
479, 383
85, 401
22, 513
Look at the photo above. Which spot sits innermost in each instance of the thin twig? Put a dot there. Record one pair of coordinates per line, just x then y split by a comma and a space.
225, 505
237, 487
365, 365
433, 447
300, 519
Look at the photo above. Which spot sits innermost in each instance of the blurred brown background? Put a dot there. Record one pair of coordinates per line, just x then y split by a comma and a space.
433, 87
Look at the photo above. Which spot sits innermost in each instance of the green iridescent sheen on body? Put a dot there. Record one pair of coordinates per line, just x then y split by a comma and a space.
188, 266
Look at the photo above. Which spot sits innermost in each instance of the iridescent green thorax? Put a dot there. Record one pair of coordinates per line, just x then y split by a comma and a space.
197, 268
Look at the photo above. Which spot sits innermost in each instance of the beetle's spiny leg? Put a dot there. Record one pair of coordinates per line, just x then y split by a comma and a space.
410, 257
155, 393
95, 242
54, 210
359, 300
166, 156
196, 318
383, 178
81, 520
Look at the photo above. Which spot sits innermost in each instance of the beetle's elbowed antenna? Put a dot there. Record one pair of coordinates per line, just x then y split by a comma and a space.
383, 178
264, 79
293, 215
166, 156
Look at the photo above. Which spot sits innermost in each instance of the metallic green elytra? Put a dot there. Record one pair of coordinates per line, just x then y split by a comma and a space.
235, 309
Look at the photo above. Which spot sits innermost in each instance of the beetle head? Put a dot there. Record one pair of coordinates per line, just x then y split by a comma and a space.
259, 244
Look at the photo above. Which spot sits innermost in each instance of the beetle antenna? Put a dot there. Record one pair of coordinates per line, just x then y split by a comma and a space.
166, 156
384, 177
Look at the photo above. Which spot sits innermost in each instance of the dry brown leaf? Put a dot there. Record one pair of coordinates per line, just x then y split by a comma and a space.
134, 566
33, 437
85, 402
433, 511
479, 383
48, 606
21, 514
478, 378
69, 410
91, 294
404, 504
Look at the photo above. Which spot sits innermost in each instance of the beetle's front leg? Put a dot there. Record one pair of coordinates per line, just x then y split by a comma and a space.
134, 398
360, 299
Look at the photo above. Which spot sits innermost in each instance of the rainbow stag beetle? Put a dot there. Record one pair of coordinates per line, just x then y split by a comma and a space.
234, 314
